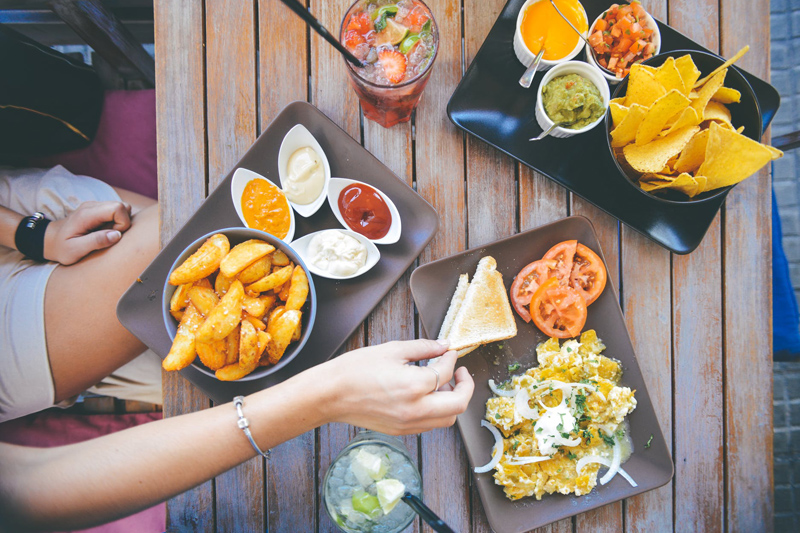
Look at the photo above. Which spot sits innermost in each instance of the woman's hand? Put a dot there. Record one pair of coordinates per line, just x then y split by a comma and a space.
93, 226
376, 388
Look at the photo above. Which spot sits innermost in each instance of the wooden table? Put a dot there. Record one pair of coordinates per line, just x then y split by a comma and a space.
701, 324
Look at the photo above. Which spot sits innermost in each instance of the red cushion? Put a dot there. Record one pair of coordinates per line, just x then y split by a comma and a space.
123, 153
52, 428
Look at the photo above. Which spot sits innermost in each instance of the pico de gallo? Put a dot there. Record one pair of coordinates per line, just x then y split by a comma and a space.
622, 37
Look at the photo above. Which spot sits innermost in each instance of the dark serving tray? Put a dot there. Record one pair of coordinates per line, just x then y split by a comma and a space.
490, 104
432, 286
342, 305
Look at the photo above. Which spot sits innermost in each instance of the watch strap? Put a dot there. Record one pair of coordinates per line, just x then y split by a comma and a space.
29, 238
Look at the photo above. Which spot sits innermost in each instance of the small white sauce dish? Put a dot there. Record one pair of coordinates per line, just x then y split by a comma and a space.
299, 137
589, 72
524, 53
339, 184
241, 178
301, 247
649, 22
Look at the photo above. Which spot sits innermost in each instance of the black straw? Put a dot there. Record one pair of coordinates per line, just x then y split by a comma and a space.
303, 13
436, 523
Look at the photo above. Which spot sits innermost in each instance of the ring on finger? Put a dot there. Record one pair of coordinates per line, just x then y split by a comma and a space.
437, 378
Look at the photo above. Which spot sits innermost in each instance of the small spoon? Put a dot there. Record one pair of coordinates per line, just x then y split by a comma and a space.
594, 54
546, 132
527, 78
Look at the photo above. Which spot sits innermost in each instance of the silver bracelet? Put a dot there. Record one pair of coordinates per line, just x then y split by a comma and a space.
244, 425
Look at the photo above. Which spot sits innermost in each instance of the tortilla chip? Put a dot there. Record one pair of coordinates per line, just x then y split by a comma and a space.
723, 66
718, 112
731, 157
643, 89
702, 182
618, 112
663, 109
776, 154
689, 72
652, 157
686, 184
740, 129
669, 76
625, 133
726, 95
654, 184
688, 117
693, 154
704, 95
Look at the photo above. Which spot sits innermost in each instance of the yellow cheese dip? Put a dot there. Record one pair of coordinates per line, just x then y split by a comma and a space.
305, 176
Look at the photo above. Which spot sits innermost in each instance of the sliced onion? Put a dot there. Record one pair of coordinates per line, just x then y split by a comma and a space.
561, 441
517, 461
522, 408
615, 462
497, 454
583, 461
500, 392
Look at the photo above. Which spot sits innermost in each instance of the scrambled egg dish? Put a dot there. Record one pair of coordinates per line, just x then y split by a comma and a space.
562, 420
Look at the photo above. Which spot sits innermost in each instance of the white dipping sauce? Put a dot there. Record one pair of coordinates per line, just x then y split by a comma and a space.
305, 176
337, 253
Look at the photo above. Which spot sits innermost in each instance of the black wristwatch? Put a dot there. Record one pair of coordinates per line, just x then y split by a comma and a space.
29, 237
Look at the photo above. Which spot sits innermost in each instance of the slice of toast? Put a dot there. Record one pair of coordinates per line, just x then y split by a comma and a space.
485, 314
455, 306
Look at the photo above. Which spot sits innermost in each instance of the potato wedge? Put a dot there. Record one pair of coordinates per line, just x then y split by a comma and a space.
183, 351
205, 283
180, 298
281, 331
248, 345
275, 314
254, 306
225, 315
234, 371
257, 323
222, 284
203, 262
283, 293
279, 258
298, 332
269, 302
298, 290
177, 315
263, 342
257, 270
271, 281
212, 354
243, 255
232, 340
204, 299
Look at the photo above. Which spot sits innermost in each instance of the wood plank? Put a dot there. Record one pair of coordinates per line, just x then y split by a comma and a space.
180, 126
232, 127
440, 180
697, 341
747, 241
290, 471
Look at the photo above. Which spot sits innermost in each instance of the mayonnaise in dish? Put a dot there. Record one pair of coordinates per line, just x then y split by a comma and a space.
337, 253
305, 176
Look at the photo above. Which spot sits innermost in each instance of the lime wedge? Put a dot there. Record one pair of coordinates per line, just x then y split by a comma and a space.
371, 463
366, 503
389, 493
393, 34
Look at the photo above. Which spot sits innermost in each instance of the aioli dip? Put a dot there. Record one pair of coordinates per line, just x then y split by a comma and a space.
337, 253
305, 176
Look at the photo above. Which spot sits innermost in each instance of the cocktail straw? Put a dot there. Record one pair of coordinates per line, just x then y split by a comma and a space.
436, 523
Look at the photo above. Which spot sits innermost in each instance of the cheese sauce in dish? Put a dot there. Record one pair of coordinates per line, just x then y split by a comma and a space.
365, 211
305, 176
265, 208
541, 24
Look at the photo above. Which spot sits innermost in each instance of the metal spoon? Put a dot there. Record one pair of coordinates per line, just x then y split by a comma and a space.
547, 132
580, 34
527, 78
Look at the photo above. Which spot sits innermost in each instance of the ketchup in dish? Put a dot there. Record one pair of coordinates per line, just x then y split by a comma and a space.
365, 211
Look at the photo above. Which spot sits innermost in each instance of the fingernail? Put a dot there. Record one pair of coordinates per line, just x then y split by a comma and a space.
443, 342
114, 236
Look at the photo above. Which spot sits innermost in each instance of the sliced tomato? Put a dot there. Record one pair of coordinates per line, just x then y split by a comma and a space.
526, 283
558, 310
562, 253
588, 275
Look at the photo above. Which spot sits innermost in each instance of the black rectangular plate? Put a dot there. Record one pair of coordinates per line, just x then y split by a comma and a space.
342, 305
432, 286
490, 104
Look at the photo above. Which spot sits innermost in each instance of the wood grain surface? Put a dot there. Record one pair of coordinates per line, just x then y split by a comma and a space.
700, 323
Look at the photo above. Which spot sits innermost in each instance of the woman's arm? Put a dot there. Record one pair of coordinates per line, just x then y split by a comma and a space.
116, 475
9, 220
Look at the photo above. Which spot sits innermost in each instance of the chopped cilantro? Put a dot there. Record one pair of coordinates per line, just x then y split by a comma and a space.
580, 404
572, 456
565, 435
560, 427
649, 441
569, 349
538, 430
558, 471
500, 346
606, 438
620, 433
515, 445
513, 367
497, 416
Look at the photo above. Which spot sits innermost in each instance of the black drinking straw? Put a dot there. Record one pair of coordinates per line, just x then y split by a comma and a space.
303, 13
436, 523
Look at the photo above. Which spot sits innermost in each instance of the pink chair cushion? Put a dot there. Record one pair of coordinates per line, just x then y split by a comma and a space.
123, 153
51, 428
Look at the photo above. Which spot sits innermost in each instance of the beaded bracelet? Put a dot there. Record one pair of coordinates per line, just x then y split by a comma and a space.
244, 425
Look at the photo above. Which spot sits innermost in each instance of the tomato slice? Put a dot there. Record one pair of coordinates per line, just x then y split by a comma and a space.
563, 253
558, 310
588, 275
526, 283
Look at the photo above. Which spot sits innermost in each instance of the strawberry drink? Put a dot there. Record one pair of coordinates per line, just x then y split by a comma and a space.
397, 41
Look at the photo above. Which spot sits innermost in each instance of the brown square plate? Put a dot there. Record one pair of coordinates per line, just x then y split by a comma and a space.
432, 286
342, 305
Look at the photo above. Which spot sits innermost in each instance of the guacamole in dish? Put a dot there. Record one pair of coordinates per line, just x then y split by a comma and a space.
572, 98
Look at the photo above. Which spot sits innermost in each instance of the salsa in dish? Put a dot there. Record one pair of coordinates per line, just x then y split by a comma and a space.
622, 36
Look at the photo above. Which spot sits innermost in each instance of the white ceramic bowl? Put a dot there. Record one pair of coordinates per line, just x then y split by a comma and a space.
649, 22
524, 54
589, 72
241, 178
337, 184
299, 137
301, 247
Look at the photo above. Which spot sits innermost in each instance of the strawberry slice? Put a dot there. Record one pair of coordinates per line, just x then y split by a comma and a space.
362, 23
394, 65
352, 39
416, 19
